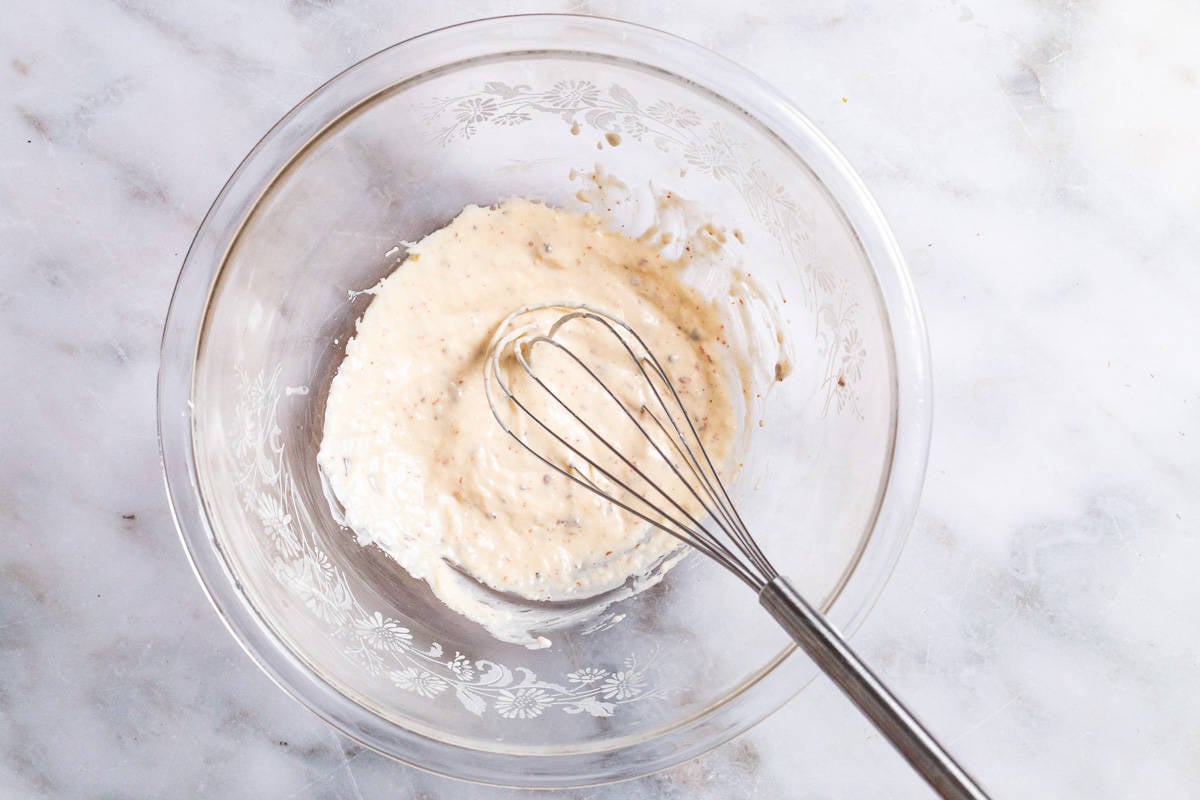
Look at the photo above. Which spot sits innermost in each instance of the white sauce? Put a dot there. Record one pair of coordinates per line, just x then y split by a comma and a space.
419, 464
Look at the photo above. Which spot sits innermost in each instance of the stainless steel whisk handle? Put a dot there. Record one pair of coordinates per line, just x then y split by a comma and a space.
833, 655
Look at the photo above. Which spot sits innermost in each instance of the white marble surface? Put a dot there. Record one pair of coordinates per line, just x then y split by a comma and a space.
1040, 163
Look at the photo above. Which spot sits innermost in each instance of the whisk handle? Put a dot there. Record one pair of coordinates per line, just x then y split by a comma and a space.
833, 655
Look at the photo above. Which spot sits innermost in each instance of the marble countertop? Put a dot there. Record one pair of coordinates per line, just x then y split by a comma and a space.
1039, 164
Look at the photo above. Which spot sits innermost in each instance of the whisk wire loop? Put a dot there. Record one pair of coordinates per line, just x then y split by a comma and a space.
715, 528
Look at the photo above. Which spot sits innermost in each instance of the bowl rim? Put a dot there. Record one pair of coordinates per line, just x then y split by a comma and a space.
440, 49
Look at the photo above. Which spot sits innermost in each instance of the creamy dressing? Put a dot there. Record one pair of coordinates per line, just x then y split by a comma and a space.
420, 466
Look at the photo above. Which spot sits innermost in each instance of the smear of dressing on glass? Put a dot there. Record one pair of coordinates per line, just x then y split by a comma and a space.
420, 467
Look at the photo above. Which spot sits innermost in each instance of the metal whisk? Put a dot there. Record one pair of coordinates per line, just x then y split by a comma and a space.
685, 497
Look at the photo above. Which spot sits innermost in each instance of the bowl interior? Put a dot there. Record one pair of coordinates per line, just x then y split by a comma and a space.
392, 164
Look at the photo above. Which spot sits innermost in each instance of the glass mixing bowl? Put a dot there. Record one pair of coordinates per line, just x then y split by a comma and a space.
392, 149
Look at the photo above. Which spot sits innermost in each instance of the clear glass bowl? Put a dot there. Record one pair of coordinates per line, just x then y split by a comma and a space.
388, 151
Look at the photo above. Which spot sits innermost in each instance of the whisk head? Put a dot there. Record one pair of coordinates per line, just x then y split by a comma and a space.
568, 382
